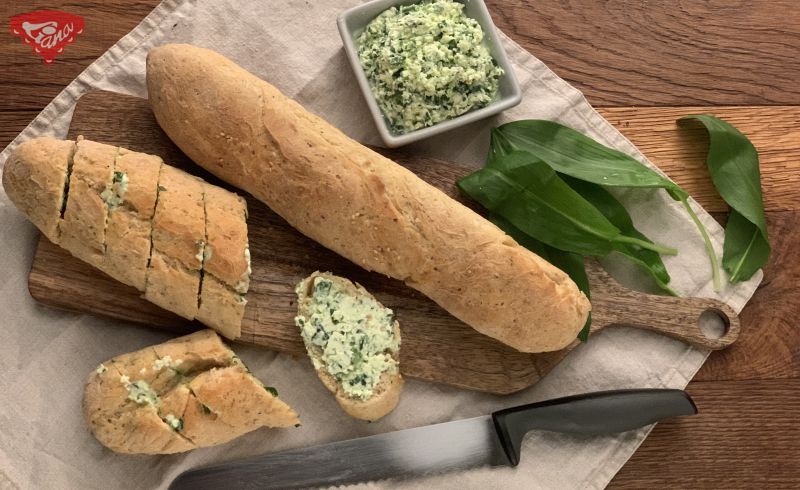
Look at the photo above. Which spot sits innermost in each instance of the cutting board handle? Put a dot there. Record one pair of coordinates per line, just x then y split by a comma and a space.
679, 318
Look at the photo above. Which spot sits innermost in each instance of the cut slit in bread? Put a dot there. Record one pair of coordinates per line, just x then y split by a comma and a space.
197, 395
83, 229
226, 262
140, 221
129, 230
353, 342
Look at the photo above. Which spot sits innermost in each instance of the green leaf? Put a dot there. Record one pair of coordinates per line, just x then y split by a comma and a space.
571, 263
745, 250
571, 153
616, 213
528, 193
733, 164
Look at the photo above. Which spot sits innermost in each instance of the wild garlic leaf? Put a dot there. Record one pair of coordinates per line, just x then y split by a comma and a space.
571, 263
616, 213
745, 249
733, 164
572, 153
530, 195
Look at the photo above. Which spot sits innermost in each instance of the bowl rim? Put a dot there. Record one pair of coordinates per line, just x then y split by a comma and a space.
391, 140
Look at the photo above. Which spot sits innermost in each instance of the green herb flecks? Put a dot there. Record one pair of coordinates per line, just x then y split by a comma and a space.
272, 391
733, 164
426, 63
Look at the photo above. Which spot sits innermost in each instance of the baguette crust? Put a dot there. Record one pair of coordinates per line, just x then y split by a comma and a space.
38, 191
130, 225
222, 307
227, 237
179, 223
111, 220
83, 229
172, 286
201, 397
358, 203
389, 386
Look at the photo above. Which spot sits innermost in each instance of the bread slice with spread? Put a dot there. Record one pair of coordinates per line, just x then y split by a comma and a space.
353, 342
186, 393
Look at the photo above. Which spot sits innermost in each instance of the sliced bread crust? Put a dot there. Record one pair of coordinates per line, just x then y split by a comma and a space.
173, 397
387, 391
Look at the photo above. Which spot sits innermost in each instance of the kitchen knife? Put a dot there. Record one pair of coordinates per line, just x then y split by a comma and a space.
493, 440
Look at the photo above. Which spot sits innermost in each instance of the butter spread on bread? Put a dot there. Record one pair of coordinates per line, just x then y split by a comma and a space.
179, 240
353, 342
358, 203
186, 393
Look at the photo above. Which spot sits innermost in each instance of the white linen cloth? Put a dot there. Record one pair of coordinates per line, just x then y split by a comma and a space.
294, 44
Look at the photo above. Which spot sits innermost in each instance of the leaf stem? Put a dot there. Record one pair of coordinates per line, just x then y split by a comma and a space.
709, 247
668, 290
646, 245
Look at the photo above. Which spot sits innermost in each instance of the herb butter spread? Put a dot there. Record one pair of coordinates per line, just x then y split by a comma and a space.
350, 337
139, 391
426, 63
114, 194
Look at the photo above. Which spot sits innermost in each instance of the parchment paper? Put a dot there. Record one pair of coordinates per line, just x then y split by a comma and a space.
294, 44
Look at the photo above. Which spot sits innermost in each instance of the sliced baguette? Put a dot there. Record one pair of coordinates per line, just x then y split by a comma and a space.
199, 394
142, 222
386, 391
226, 262
130, 220
83, 229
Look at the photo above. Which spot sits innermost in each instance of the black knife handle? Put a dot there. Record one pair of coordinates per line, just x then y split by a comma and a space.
603, 412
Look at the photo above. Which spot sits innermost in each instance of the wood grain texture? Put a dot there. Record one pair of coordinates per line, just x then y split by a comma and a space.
743, 438
669, 53
743, 423
436, 346
676, 52
680, 151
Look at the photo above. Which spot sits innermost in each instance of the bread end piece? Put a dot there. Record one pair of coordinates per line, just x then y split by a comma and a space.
190, 392
384, 394
35, 178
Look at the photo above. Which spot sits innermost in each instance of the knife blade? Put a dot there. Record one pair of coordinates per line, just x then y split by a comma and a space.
493, 440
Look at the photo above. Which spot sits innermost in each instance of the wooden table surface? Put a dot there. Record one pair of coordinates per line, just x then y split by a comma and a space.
643, 63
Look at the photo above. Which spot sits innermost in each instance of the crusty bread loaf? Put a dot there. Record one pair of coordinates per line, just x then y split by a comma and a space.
144, 223
356, 318
358, 203
183, 394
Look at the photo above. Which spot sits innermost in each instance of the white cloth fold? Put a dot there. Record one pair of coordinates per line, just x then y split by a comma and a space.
47, 354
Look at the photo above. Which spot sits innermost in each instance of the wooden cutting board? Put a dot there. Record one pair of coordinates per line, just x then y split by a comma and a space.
436, 346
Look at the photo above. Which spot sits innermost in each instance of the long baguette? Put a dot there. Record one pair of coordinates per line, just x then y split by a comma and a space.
140, 221
358, 203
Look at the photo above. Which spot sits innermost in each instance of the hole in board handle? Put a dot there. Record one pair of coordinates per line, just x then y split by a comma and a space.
714, 323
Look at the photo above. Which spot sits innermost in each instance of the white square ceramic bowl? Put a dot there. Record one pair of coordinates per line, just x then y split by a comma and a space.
352, 23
